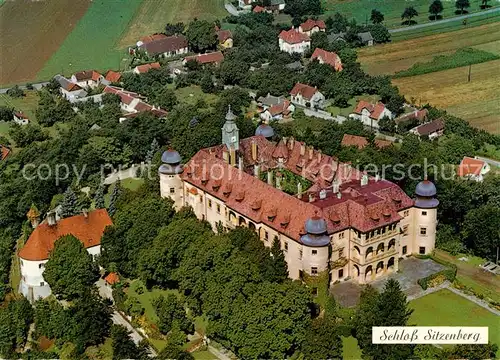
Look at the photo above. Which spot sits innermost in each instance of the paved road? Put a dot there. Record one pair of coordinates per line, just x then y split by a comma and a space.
36, 86
489, 161
444, 21
231, 9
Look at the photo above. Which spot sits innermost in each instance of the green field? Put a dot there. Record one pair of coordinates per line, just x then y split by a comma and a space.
191, 94
26, 104
350, 348
392, 9
93, 42
445, 308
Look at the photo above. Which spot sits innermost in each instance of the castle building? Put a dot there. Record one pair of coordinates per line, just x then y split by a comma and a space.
327, 215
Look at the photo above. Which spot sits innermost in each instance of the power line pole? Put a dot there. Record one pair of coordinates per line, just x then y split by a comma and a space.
468, 77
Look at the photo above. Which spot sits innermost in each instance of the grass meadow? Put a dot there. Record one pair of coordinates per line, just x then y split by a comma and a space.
392, 9
93, 44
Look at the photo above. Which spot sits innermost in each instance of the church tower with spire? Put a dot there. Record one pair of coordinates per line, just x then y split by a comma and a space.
230, 131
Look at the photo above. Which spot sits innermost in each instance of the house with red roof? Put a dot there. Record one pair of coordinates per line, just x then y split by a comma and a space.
282, 110
473, 169
293, 41
113, 76
311, 26
165, 46
370, 114
214, 58
225, 38
342, 222
87, 79
327, 57
87, 227
150, 38
258, 9
360, 141
70, 90
20, 118
307, 96
142, 69
432, 129
4, 152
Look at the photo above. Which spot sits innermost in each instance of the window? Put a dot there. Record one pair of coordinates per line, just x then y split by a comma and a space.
405, 230
341, 235
423, 231
209, 203
341, 273
172, 190
266, 235
406, 213
42, 283
424, 213
300, 254
286, 245
405, 249
341, 252
314, 252
314, 270
41, 266
218, 208
421, 250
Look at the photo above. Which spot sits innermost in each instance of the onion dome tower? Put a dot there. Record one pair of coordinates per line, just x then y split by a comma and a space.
265, 130
170, 177
425, 217
315, 241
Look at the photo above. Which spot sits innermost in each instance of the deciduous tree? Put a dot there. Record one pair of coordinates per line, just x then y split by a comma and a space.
461, 5
201, 35
435, 9
376, 17
408, 14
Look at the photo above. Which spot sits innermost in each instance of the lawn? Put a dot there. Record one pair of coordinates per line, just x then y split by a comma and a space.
130, 183
93, 42
27, 104
392, 9
476, 101
191, 94
335, 110
152, 16
445, 308
203, 355
350, 348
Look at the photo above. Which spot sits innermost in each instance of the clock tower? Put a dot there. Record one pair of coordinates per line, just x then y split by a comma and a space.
230, 131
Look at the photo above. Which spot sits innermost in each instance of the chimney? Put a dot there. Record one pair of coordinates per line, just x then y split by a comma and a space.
302, 149
285, 139
322, 194
270, 178
335, 187
51, 218
364, 180
311, 198
339, 195
311, 152
256, 171
225, 156
232, 156
291, 143
240, 163
319, 156
299, 190
377, 177
254, 151
85, 213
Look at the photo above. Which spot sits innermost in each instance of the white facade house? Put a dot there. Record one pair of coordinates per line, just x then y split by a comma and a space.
87, 79
87, 227
307, 96
473, 169
278, 111
292, 41
371, 114
311, 26
20, 118
70, 90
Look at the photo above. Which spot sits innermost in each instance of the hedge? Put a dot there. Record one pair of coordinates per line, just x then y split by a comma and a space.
449, 273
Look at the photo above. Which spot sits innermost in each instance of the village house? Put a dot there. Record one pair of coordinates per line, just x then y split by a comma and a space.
142, 69
432, 130
113, 76
416, 115
70, 90
274, 7
307, 96
150, 38
292, 41
87, 227
365, 38
20, 118
132, 104
4, 152
282, 110
473, 169
269, 100
311, 26
165, 46
215, 58
370, 114
258, 9
360, 141
87, 79
225, 38
327, 57
339, 221
245, 4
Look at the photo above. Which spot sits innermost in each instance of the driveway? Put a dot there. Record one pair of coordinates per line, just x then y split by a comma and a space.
444, 21
36, 86
489, 161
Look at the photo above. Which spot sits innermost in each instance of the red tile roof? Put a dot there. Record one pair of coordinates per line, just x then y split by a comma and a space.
293, 37
214, 57
258, 9
223, 35
113, 76
360, 141
328, 57
88, 230
20, 115
306, 91
309, 24
375, 110
470, 166
4, 152
361, 207
112, 278
167, 44
87, 75
419, 115
431, 127
154, 37
281, 108
146, 67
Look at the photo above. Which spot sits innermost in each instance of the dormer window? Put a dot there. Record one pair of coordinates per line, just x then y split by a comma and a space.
256, 205
240, 196
216, 185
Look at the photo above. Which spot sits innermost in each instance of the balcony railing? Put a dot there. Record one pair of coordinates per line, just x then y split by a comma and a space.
366, 260
376, 238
